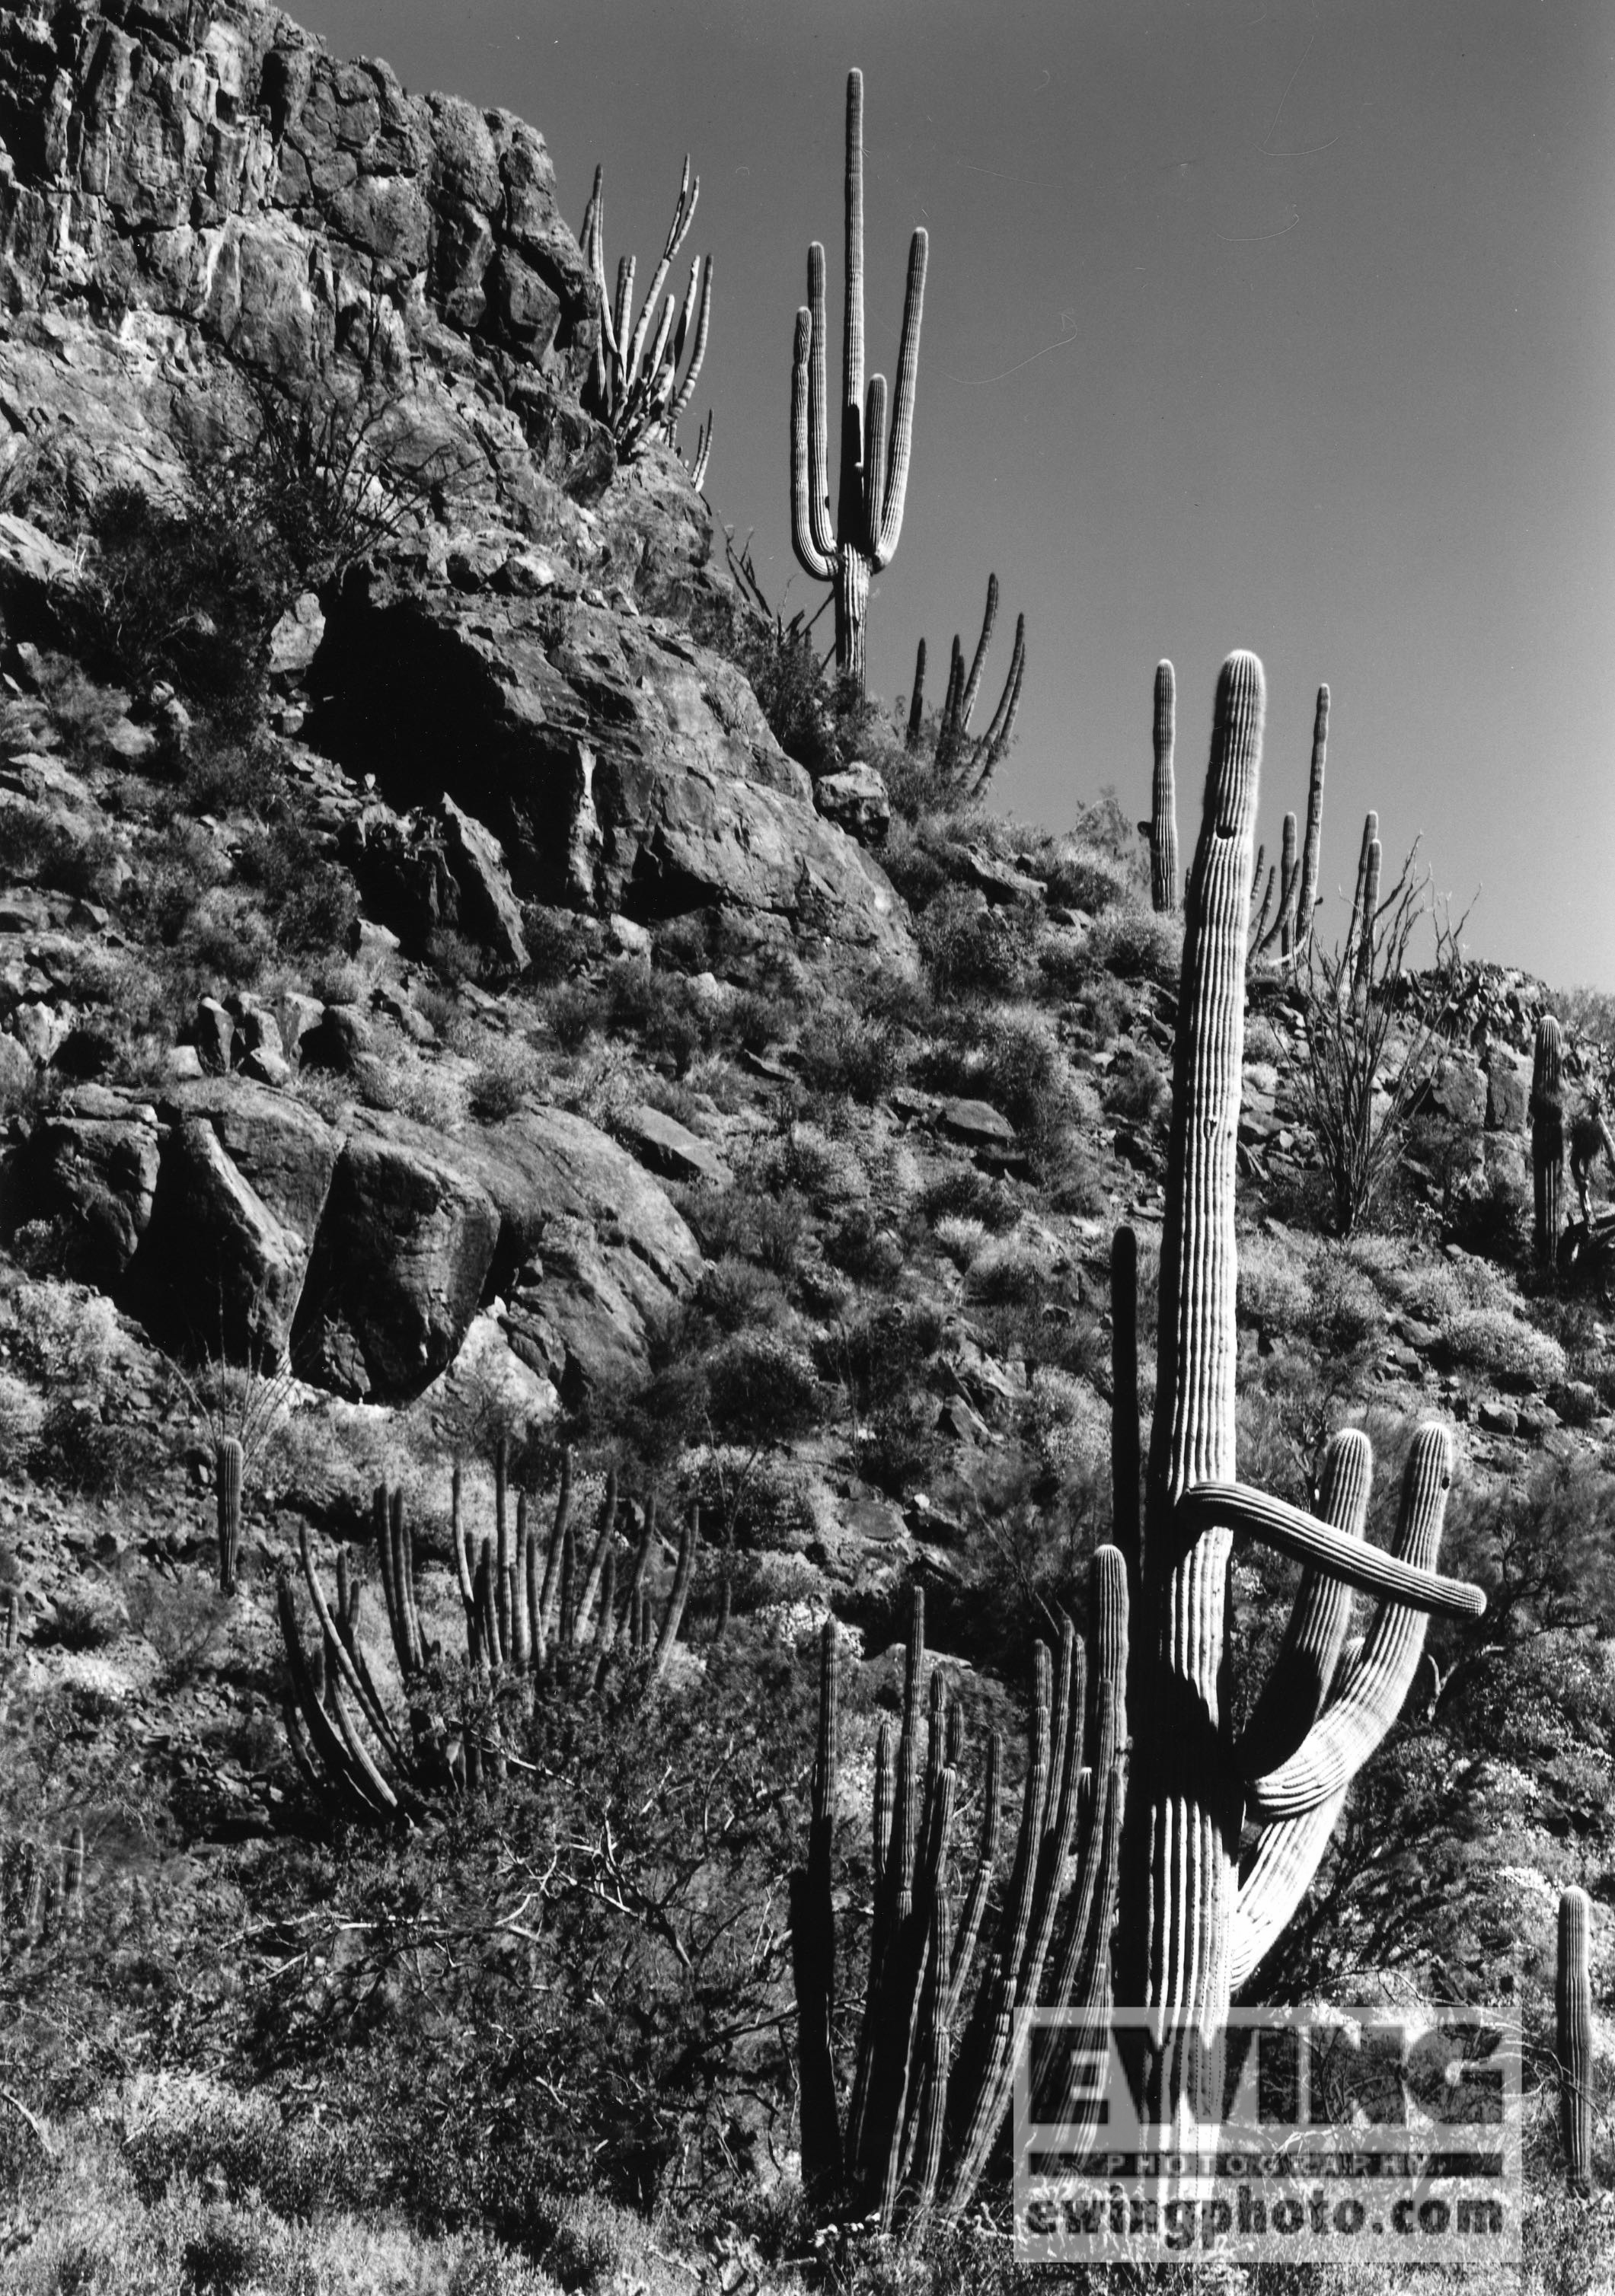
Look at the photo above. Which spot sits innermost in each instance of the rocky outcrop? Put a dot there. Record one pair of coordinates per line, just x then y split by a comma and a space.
197, 203
191, 156
233, 1217
619, 764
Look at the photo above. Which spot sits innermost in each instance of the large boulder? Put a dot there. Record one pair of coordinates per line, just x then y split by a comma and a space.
98, 1176
592, 1257
618, 764
400, 1261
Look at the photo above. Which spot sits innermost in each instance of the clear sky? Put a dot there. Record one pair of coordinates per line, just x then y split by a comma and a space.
1255, 323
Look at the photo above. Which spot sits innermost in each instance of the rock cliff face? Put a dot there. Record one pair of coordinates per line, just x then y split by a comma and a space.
208, 226
199, 207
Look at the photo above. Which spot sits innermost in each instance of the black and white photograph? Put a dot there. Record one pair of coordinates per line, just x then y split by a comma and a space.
806, 1148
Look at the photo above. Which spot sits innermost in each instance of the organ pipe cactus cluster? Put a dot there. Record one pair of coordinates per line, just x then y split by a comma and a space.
946, 1980
1573, 2033
541, 1618
229, 1466
632, 384
967, 765
1548, 1136
42, 1889
846, 542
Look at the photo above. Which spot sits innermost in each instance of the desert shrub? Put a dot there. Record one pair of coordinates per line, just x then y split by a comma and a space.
88, 1617
575, 1013
1082, 877
21, 1423
961, 1239
1141, 1092
763, 1224
1498, 1346
187, 1621
848, 1053
913, 867
502, 1078
1273, 1292
737, 1294
961, 1191
865, 1248
825, 1170
1136, 944
1009, 1273
971, 949
454, 957
313, 903
59, 856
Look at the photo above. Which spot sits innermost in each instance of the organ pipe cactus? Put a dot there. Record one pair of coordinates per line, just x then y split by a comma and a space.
1181, 1878
963, 766
229, 1466
846, 543
557, 1637
1161, 827
940, 2037
1288, 928
1278, 933
632, 384
1573, 2027
1548, 1136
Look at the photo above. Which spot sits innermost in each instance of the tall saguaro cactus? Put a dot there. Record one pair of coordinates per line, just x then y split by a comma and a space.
860, 536
1190, 1782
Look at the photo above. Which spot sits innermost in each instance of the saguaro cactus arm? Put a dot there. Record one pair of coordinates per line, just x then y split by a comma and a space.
1279, 932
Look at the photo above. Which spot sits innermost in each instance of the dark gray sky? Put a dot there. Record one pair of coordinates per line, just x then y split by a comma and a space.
1257, 323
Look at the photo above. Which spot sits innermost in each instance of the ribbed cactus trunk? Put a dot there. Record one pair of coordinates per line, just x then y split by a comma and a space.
1183, 1844
1163, 797
1573, 2007
1306, 895
229, 1467
1547, 1137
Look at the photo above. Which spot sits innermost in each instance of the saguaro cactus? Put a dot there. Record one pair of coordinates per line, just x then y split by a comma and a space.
1181, 1881
1548, 1136
1573, 2017
229, 1465
1161, 827
874, 477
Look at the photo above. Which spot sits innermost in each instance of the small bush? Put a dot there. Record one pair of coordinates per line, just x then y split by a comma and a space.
1499, 1346
1010, 1273
1136, 944
972, 950
503, 1079
847, 1052
961, 1239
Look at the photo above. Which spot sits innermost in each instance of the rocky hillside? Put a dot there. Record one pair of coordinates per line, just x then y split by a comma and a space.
439, 1020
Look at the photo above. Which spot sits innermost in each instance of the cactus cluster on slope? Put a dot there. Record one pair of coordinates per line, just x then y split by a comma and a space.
964, 765
634, 385
542, 1617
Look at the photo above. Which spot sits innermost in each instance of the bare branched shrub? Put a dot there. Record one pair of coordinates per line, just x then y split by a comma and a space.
1359, 1084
